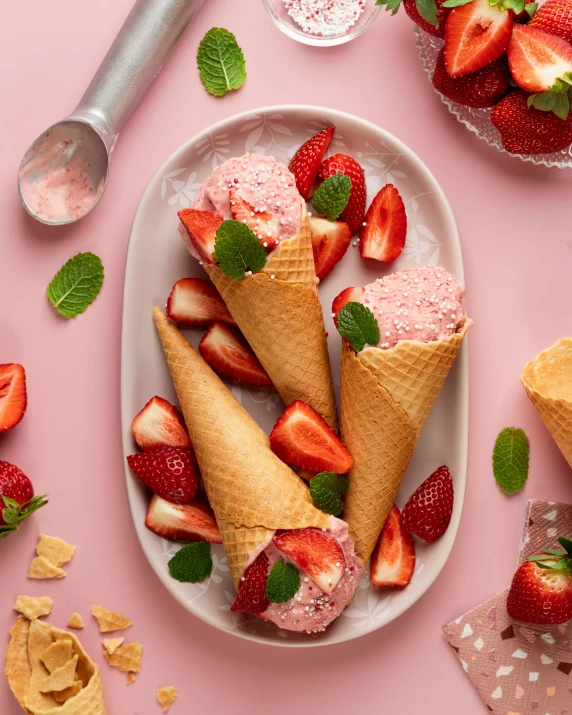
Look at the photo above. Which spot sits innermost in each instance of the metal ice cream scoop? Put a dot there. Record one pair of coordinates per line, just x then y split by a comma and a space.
64, 173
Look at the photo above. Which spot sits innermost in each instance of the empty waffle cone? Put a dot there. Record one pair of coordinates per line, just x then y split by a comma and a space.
279, 313
251, 491
548, 381
386, 397
26, 672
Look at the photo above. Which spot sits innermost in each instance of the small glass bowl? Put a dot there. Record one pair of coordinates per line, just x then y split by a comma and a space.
277, 11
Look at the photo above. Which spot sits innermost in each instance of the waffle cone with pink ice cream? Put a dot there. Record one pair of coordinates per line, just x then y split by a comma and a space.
388, 389
277, 308
257, 498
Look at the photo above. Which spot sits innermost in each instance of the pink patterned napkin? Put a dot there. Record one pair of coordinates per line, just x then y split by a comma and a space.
516, 669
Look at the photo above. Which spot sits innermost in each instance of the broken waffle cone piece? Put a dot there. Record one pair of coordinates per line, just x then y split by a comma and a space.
42, 568
112, 644
166, 696
75, 621
251, 491
548, 382
57, 655
131, 678
108, 620
61, 678
56, 550
386, 397
33, 607
127, 657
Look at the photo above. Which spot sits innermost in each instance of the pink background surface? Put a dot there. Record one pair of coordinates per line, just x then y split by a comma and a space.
518, 258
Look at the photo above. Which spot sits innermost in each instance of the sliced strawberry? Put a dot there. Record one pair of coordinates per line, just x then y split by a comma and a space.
182, 522
306, 161
383, 236
348, 295
483, 88
315, 553
265, 226
393, 559
302, 438
170, 472
428, 511
228, 353
13, 395
476, 34
251, 597
194, 302
555, 16
330, 241
201, 227
354, 211
160, 424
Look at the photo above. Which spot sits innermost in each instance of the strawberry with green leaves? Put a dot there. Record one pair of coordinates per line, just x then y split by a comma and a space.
17, 500
430, 15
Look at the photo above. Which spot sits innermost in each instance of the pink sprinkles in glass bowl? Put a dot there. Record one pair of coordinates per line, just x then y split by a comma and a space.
325, 18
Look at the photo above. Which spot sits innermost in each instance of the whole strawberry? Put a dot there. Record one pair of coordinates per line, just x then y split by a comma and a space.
354, 212
171, 472
251, 597
305, 163
555, 16
541, 590
17, 500
483, 88
428, 512
442, 12
526, 130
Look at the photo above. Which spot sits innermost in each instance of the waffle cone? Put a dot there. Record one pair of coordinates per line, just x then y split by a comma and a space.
548, 382
251, 491
25, 672
282, 319
386, 396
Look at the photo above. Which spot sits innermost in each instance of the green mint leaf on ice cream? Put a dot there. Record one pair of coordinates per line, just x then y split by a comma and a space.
76, 285
510, 459
332, 196
358, 325
221, 62
326, 489
283, 582
192, 563
238, 250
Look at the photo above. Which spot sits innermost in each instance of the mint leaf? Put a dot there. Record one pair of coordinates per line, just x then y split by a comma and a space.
332, 196
238, 250
510, 459
428, 11
221, 62
390, 5
358, 325
325, 490
76, 285
192, 563
283, 582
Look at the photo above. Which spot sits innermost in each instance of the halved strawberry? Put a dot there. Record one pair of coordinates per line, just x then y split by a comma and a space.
555, 16
428, 511
302, 438
315, 553
185, 522
476, 34
13, 395
330, 241
160, 424
194, 302
393, 559
355, 209
170, 472
483, 88
306, 161
201, 227
383, 236
348, 295
251, 596
264, 225
228, 353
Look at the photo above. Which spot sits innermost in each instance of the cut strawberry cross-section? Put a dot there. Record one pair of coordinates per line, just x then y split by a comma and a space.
306, 161
393, 559
251, 597
348, 295
264, 225
315, 553
383, 236
196, 303
13, 396
160, 424
201, 227
228, 353
330, 241
185, 522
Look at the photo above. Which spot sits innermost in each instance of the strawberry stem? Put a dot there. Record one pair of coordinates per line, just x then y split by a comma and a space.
14, 514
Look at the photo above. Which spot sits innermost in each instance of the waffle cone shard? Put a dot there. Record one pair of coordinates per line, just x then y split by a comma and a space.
282, 319
548, 382
386, 397
251, 491
25, 672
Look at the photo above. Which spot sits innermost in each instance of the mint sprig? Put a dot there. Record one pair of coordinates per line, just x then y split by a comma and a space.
192, 563
331, 197
326, 489
221, 62
76, 285
358, 325
237, 250
283, 582
510, 459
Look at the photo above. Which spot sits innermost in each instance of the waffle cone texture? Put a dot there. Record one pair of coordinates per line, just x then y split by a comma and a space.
252, 492
386, 397
548, 382
281, 317
26, 672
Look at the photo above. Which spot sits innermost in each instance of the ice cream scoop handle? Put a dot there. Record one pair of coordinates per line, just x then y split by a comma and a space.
150, 32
